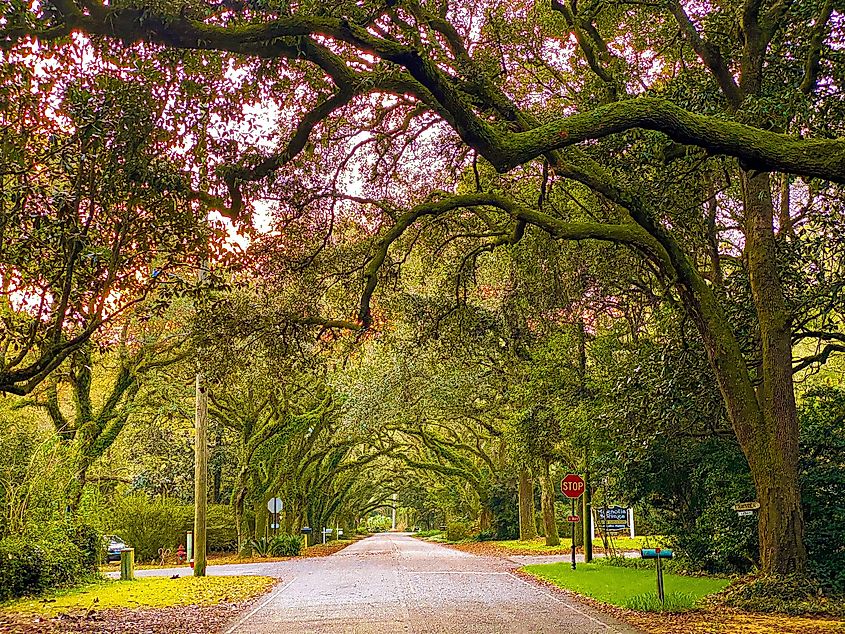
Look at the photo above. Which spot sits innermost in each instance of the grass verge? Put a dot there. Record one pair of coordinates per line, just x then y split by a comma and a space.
628, 587
148, 592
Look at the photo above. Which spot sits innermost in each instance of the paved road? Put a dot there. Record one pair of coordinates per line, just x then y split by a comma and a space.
393, 583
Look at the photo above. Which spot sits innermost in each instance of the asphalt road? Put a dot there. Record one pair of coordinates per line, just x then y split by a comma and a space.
392, 583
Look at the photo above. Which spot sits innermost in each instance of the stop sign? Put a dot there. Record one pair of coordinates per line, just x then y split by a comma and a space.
572, 486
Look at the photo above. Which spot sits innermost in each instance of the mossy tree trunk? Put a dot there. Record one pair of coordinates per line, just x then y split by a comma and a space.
548, 505
770, 443
527, 525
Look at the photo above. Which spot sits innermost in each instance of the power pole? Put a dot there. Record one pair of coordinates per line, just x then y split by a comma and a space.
201, 414
200, 476
587, 501
587, 521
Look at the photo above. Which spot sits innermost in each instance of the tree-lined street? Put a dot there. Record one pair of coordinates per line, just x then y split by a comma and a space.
394, 583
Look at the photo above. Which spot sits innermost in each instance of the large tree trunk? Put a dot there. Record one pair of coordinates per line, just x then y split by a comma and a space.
771, 447
527, 527
548, 506
485, 519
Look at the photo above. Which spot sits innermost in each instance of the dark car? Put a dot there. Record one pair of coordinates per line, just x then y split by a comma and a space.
113, 547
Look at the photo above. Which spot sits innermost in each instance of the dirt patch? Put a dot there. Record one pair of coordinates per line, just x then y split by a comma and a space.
185, 619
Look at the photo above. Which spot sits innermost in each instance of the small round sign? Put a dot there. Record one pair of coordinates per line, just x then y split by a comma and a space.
572, 486
274, 505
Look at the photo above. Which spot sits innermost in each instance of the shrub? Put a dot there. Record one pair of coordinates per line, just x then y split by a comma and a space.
794, 594
434, 532
823, 484
379, 523
221, 532
20, 568
458, 530
284, 545
504, 504
31, 565
147, 525
91, 545
260, 546
487, 536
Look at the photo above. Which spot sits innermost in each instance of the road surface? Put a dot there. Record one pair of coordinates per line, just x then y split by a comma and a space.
392, 583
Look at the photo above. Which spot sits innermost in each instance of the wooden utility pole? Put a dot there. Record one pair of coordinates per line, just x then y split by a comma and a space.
587, 515
201, 413
200, 475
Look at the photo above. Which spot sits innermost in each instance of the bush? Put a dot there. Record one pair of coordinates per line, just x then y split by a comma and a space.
823, 484
32, 565
260, 546
221, 532
434, 532
148, 525
91, 544
284, 545
504, 504
379, 523
793, 594
487, 536
457, 531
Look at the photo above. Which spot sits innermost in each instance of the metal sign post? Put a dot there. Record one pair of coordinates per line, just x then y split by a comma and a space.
274, 505
572, 486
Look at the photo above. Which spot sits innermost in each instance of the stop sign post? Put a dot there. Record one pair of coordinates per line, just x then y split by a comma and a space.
572, 486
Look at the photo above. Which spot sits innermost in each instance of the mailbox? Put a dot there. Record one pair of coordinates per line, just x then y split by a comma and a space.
655, 553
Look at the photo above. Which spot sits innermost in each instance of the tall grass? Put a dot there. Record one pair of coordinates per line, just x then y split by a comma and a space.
675, 602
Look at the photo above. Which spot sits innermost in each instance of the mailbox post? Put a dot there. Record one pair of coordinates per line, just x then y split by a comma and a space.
658, 554
307, 532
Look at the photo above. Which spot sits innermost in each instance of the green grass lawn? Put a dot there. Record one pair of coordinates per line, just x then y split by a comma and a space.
628, 587
620, 543
148, 592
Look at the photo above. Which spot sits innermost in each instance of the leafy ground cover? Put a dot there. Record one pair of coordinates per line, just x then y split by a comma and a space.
150, 592
628, 587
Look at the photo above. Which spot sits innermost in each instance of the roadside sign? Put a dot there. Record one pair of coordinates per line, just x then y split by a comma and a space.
747, 506
744, 513
274, 505
572, 486
573, 518
612, 517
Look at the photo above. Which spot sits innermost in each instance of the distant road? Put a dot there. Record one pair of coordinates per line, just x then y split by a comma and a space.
392, 583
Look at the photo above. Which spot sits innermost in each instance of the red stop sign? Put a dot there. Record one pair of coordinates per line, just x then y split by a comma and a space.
572, 486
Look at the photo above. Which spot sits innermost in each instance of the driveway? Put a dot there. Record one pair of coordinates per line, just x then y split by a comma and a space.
392, 583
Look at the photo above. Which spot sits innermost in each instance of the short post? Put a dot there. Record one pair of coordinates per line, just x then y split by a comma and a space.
190, 542
127, 564
660, 579
659, 554
631, 515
